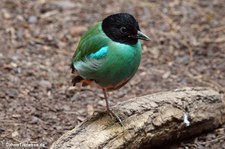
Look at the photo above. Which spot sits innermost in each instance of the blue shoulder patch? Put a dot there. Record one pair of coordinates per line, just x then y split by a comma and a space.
100, 53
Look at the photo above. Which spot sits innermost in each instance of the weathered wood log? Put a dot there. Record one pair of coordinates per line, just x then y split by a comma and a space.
149, 121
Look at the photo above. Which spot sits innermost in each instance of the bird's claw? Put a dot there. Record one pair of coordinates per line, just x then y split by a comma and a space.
111, 114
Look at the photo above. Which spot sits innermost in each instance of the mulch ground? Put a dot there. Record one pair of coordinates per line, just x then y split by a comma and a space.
37, 40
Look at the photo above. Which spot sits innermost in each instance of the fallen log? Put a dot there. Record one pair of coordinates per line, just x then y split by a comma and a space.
150, 121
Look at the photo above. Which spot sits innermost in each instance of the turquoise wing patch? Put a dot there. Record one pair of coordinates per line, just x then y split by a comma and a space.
100, 53
91, 63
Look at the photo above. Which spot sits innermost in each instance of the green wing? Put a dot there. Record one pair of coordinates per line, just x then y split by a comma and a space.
92, 40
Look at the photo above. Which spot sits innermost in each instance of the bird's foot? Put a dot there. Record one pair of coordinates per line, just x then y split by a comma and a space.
111, 114
99, 112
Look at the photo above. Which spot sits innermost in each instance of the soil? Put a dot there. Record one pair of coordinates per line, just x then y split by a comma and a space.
37, 39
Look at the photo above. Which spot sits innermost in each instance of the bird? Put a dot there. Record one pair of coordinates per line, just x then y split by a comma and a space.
108, 54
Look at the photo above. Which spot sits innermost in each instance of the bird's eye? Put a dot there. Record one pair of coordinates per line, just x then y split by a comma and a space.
123, 30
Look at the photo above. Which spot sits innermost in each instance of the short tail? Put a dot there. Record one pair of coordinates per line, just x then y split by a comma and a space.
76, 80
79, 79
72, 68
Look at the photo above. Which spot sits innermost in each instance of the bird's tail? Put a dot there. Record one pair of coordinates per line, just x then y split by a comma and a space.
79, 79
76, 80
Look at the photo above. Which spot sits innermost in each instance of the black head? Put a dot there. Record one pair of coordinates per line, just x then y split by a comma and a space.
123, 28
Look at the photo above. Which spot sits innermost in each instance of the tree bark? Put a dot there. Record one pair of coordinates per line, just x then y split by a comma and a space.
149, 121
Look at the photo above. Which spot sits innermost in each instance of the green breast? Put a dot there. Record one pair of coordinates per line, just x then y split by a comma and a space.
121, 63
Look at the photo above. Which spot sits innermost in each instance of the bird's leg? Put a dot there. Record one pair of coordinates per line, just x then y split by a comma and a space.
112, 114
106, 99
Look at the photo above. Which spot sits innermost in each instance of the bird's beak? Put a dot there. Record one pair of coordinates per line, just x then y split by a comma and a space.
142, 36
